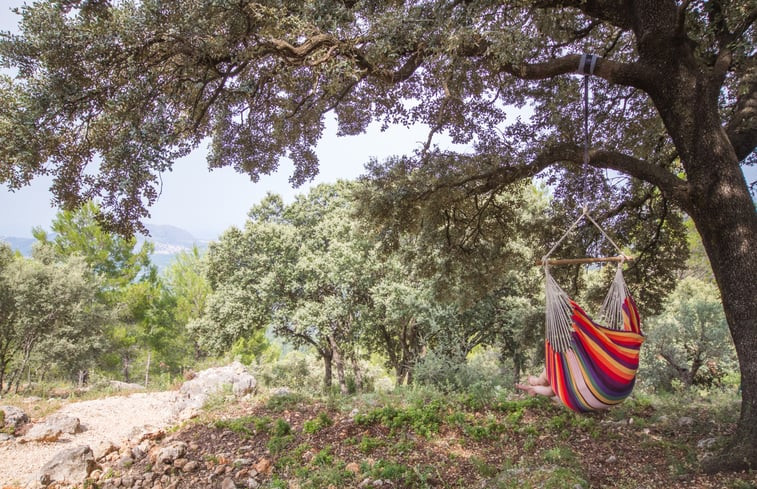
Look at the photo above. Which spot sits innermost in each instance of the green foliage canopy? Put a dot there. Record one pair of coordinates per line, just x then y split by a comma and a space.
47, 299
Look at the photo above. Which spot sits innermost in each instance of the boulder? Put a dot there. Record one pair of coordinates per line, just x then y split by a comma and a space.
66, 424
193, 393
103, 449
13, 417
41, 432
52, 428
68, 466
171, 452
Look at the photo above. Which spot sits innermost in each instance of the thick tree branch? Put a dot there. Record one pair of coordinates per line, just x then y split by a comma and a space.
613, 11
742, 127
745, 23
671, 186
628, 74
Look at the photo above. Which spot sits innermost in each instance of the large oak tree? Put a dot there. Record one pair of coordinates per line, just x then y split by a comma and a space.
108, 94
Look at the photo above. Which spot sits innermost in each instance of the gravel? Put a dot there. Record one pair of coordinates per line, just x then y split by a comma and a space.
105, 420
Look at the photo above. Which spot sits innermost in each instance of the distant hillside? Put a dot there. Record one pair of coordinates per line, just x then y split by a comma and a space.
172, 235
168, 242
24, 245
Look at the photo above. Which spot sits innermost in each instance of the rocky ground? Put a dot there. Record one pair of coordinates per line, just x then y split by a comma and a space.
400, 440
98, 437
105, 422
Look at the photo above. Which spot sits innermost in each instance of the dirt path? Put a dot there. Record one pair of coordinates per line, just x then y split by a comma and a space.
110, 419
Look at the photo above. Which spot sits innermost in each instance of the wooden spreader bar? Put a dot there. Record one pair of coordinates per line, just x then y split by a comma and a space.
575, 261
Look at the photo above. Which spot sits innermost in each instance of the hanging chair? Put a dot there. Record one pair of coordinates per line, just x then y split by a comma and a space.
591, 366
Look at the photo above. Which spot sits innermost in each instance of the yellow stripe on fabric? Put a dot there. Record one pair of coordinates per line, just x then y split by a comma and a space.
607, 359
612, 345
608, 334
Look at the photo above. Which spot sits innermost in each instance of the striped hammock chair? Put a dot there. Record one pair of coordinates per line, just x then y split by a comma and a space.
591, 366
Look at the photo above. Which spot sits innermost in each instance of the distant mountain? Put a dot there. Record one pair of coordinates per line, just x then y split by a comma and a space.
167, 240
24, 245
171, 235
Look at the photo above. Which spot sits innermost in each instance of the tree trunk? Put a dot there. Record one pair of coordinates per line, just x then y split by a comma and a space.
15, 377
339, 364
327, 371
83, 377
126, 364
2, 375
686, 94
147, 368
725, 218
724, 214
358, 374
399, 374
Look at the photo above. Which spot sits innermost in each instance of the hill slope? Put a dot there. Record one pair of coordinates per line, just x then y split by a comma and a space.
425, 441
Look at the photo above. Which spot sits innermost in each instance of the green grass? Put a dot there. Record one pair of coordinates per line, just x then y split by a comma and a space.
424, 419
315, 425
418, 439
368, 444
286, 401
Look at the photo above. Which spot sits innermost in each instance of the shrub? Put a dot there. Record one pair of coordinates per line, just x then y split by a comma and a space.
478, 375
315, 425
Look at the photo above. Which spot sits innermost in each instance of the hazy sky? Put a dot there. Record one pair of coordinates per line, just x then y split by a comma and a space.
204, 202
207, 202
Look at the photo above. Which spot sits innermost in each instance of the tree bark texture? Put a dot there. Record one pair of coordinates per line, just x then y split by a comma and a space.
339, 364
328, 375
718, 201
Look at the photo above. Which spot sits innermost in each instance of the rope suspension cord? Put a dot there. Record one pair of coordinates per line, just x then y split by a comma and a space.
586, 67
588, 61
590, 365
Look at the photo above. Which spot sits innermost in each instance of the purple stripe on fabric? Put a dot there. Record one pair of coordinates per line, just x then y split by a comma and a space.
607, 385
575, 398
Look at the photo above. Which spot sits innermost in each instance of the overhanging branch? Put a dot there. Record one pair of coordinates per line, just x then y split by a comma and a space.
672, 187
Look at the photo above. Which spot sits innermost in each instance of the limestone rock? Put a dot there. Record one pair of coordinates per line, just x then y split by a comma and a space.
685, 421
193, 393
171, 452
41, 432
280, 391
117, 385
52, 428
66, 424
706, 443
13, 417
70, 465
104, 448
